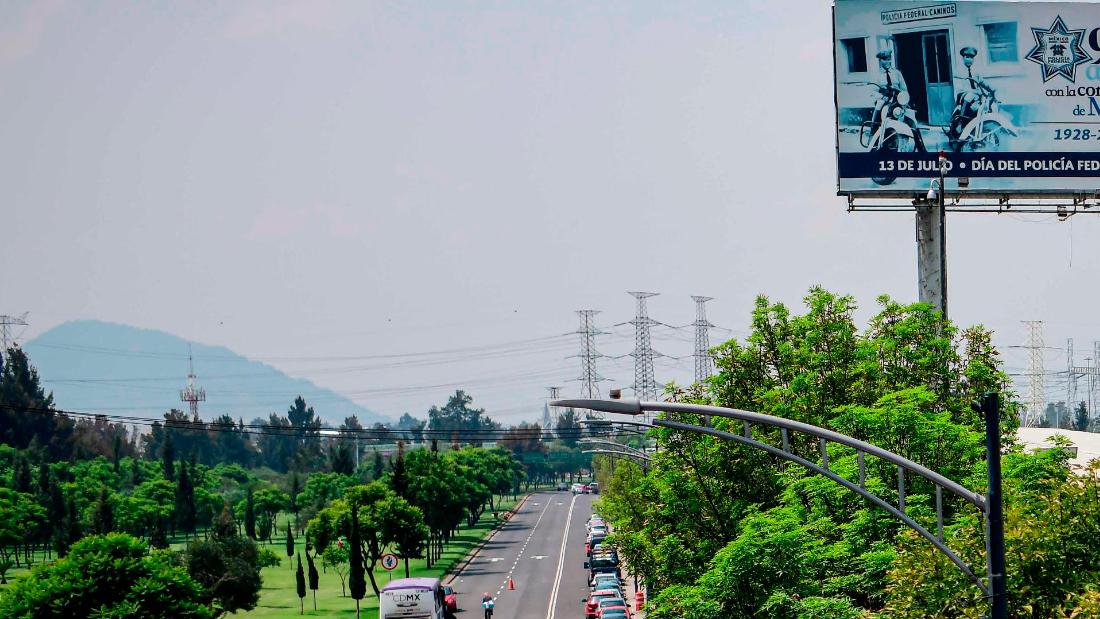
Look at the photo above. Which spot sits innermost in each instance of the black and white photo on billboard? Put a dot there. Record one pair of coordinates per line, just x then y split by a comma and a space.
1010, 91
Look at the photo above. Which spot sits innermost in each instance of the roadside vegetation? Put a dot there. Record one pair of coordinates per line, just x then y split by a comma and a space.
726, 531
186, 518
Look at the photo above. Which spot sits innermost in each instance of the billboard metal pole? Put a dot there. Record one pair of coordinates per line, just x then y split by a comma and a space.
991, 408
943, 234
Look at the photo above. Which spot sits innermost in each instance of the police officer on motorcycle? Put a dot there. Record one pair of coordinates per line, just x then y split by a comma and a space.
968, 101
895, 81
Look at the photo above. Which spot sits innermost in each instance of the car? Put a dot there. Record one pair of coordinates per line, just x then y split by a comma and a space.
615, 613
611, 604
592, 603
562, 487
450, 599
594, 487
611, 580
577, 488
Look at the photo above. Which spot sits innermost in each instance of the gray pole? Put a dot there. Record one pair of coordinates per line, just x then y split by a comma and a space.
991, 408
943, 233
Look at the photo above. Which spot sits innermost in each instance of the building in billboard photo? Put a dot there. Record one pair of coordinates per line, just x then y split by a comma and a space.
969, 77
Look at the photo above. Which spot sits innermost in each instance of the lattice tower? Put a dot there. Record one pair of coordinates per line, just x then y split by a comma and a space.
192, 394
590, 378
1036, 396
703, 361
7, 339
645, 383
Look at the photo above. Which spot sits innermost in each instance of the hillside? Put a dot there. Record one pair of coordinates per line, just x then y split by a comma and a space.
112, 368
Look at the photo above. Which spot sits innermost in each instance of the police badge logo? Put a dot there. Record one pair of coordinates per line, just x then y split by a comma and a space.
1058, 50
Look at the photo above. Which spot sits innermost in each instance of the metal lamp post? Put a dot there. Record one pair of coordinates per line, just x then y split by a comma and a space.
990, 506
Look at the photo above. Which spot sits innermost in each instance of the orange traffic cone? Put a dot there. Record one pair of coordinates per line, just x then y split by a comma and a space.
511, 584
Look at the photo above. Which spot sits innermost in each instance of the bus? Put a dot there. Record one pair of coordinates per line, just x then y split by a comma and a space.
412, 598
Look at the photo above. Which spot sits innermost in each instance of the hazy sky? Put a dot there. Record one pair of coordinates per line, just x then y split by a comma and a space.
307, 181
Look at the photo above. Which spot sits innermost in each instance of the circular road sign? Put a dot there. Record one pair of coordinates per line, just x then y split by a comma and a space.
389, 561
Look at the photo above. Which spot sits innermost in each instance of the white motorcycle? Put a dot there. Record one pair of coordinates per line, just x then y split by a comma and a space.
986, 124
892, 126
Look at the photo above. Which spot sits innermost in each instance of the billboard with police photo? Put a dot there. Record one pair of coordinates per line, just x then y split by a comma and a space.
1009, 90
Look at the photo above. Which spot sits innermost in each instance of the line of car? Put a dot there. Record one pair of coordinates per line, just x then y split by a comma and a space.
606, 598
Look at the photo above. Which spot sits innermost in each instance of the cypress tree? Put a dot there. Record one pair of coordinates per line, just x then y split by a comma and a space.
70, 532
314, 577
249, 516
168, 458
357, 578
135, 473
21, 478
377, 466
290, 547
103, 515
300, 584
400, 478
43, 479
186, 511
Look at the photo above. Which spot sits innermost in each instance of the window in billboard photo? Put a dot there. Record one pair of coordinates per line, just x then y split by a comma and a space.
1009, 90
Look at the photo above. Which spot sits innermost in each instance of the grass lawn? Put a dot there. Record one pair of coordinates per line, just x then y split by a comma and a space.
279, 598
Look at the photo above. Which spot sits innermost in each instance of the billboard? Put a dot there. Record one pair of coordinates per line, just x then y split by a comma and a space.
1009, 90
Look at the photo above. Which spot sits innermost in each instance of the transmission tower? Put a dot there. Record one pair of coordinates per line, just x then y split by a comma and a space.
6, 337
702, 339
590, 378
192, 394
1036, 395
645, 384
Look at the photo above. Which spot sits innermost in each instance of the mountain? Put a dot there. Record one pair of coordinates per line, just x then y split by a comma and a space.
95, 366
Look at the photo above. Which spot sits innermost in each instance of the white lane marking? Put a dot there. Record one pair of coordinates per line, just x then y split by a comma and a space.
561, 561
538, 557
533, 529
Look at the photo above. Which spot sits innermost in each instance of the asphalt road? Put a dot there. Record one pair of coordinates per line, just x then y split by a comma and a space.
529, 550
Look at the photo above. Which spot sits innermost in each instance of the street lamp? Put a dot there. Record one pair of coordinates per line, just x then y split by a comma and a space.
990, 506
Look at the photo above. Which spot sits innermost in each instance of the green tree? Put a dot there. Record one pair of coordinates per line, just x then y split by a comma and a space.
336, 556
289, 544
106, 576
459, 419
226, 565
103, 515
300, 587
314, 578
356, 573
168, 459
186, 511
1081, 417
250, 515
27, 415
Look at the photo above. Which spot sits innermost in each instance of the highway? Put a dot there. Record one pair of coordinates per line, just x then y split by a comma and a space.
546, 565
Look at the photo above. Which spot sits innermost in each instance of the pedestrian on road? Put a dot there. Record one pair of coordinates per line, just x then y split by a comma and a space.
488, 604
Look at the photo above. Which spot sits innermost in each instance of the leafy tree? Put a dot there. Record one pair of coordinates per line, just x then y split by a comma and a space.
300, 587
568, 428
378, 467
306, 434
27, 417
728, 532
340, 459
399, 481
107, 576
227, 566
20, 514
337, 556
277, 444
103, 516
459, 420
1081, 417
403, 525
